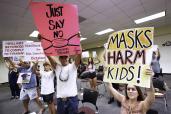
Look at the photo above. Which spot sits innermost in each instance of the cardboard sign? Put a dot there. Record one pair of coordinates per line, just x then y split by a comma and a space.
33, 52
13, 48
129, 54
58, 25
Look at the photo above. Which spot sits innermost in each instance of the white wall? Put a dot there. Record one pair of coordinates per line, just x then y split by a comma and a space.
3, 72
165, 52
165, 60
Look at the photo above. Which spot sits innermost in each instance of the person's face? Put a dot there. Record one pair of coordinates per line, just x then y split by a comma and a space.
26, 64
132, 92
63, 60
47, 67
90, 59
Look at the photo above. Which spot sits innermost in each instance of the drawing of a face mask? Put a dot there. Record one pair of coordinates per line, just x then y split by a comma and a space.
59, 43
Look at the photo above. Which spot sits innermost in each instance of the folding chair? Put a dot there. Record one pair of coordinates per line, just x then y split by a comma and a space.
100, 75
89, 96
160, 90
152, 111
82, 75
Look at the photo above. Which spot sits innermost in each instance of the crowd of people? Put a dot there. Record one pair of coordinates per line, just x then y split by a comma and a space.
66, 73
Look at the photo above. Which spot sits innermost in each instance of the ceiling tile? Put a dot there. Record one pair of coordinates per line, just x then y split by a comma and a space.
86, 2
168, 6
80, 5
154, 6
88, 12
136, 12
11, 9
16, 3
128, 5
118, 1
101, 5
99, 18
112, 11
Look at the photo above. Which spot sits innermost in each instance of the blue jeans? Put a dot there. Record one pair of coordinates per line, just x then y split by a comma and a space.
67, 106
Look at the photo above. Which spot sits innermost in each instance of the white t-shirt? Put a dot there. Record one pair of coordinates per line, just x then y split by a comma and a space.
47, 82
66, 88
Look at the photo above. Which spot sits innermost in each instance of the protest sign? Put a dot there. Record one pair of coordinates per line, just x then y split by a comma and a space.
128, 54
33, 52
58, 26
13, 48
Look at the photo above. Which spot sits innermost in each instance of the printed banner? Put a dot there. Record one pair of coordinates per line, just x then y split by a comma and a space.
13, 48
59, 27
33, 52
128, 54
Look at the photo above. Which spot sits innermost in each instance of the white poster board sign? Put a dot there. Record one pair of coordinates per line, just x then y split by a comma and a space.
13, 48
33, 52
128, 55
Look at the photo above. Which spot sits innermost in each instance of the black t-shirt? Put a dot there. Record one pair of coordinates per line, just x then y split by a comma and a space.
12, 77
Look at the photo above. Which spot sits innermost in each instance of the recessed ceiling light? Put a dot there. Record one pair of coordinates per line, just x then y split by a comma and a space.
28, 41
151, 17
104, 31
83, 39
34, 34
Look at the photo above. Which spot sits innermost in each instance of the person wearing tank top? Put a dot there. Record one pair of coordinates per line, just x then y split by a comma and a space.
27, 79
133, 102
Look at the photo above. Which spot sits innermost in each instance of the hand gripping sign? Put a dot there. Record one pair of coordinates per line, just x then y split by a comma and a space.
58, 26
128, 54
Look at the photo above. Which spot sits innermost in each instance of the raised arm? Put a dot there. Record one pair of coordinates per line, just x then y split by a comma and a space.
52, 62
78, 56
34, 67
115, 93
51, 59
9, 62
150, 92
77, 60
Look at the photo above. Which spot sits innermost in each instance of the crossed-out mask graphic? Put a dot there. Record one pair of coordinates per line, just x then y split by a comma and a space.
61, 42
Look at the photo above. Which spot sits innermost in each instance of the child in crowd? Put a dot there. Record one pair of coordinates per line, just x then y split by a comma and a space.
47, 86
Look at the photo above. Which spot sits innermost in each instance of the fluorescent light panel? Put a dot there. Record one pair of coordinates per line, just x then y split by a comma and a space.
83, 39
151, 17
34, 34
104, 31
